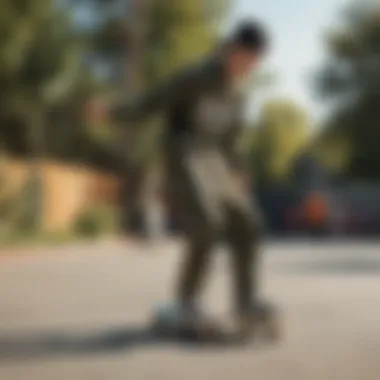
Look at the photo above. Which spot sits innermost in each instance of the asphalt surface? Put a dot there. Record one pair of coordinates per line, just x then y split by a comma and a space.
80, 312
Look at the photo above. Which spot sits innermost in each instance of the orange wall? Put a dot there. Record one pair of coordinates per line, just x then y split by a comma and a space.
67, 190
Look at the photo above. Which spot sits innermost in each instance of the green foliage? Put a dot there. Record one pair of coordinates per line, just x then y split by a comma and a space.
351, 80
29, 205
96, 222
333, 148
282, 133
44, 86
20, 214
179, 33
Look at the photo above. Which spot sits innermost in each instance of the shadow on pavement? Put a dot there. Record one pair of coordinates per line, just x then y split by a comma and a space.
37, 345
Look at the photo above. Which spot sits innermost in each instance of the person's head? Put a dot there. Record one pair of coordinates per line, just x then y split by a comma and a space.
246, 48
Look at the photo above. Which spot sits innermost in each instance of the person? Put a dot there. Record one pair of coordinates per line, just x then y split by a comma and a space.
203, 106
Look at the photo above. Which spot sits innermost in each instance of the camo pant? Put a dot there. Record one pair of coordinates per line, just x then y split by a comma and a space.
211, 206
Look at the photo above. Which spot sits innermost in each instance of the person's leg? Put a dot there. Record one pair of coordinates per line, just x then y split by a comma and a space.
245, 231
200, 233
194, 268
201, 212
197, 208
244, 237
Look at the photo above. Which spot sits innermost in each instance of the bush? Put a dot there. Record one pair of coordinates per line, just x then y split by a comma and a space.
21, 213
30, 203
96, 222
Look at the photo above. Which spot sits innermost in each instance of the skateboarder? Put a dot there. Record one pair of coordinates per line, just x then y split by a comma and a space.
203, 108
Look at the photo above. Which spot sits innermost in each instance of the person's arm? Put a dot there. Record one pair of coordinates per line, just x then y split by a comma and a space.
158, 99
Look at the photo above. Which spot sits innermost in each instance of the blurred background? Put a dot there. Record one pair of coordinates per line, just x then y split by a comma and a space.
76, 190
312, 122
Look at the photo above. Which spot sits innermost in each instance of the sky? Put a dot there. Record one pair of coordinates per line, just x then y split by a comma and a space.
297, 28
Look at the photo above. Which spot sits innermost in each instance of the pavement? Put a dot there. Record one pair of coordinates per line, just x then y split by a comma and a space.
80, 312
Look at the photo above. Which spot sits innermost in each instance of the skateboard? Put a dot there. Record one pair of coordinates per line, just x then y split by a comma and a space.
265, 327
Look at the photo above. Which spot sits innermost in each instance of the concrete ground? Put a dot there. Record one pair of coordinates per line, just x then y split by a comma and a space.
79, 313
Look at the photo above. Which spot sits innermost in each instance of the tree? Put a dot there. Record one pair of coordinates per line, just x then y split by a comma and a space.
180, 32
40, 71
282, 132
45, 84
350, 81
43, 87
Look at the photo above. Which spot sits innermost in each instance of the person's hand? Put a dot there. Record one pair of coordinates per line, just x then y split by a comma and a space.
243, 180
97, 111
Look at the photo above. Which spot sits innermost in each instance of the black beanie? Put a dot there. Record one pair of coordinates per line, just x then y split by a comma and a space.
252, 36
